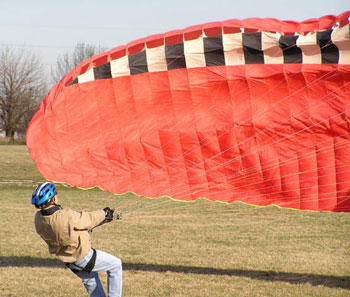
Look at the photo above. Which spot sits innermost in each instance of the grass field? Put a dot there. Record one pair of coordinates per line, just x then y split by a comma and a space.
172, 248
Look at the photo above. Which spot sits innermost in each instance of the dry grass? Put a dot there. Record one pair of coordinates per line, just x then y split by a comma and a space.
171, 248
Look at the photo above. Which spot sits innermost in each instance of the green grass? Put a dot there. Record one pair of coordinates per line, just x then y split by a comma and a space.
172, 248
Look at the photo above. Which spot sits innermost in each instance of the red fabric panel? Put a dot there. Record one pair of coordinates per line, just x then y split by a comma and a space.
201, 134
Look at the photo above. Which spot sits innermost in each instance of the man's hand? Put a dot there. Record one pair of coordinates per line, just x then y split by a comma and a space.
108, 214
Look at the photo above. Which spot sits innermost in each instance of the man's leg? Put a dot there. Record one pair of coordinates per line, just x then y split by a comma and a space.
90, 280
113, 266
92, 283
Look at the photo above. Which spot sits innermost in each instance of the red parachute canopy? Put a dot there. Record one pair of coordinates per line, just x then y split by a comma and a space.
255, 110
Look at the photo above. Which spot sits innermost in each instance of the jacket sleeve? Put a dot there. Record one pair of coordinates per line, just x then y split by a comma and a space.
86, 220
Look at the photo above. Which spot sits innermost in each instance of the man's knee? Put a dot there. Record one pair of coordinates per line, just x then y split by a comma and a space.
117, 264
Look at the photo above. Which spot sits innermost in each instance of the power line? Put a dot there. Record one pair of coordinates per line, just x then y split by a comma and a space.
40, 46
86, 27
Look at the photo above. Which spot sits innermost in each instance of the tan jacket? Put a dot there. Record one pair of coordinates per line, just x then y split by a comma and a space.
66, 232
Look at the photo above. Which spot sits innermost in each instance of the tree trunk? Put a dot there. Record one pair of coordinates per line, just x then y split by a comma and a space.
10, 134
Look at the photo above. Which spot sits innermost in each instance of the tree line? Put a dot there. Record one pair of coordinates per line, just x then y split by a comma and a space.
24, 83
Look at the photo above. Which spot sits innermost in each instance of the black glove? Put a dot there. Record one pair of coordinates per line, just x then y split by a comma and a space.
109, 214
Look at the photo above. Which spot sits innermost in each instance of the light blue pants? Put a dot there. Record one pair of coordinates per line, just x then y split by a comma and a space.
104, 263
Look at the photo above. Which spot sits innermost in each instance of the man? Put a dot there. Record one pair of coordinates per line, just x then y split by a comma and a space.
67, 234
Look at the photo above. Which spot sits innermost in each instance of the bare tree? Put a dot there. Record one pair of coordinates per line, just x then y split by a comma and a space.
68, 61
22, 87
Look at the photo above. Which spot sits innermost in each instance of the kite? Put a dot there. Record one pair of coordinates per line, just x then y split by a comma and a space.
253, 110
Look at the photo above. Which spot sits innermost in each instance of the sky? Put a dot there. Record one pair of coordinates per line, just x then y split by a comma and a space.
51, 28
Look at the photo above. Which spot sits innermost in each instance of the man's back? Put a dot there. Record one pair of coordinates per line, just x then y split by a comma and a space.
66, 232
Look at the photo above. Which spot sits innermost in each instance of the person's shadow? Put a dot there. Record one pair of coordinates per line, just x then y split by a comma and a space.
289, 277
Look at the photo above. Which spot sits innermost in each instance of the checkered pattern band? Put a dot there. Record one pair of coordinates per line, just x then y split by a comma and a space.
227, 49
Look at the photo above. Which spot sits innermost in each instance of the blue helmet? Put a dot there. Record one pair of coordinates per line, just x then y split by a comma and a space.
43, 193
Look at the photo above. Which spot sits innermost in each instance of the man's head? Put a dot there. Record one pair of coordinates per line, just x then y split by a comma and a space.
44, 195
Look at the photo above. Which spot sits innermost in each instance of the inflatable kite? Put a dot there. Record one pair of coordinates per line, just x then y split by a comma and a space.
254, 110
